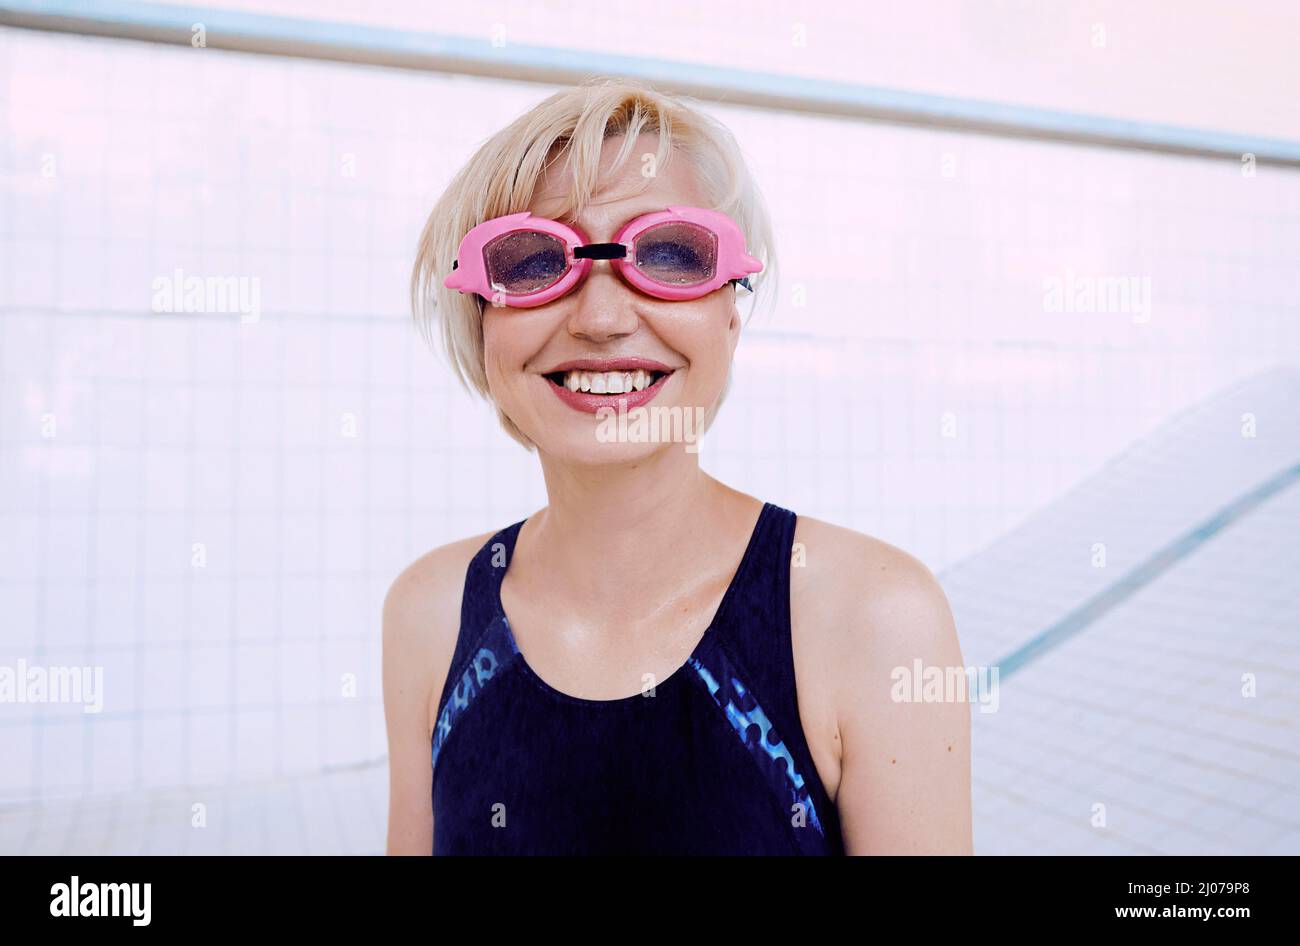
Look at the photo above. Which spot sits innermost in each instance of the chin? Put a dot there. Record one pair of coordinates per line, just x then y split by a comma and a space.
584, 449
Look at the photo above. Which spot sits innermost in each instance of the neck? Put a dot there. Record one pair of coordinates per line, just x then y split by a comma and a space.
616, 531
643, 500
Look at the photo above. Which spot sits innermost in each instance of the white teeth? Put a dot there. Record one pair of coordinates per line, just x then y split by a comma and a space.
607, 382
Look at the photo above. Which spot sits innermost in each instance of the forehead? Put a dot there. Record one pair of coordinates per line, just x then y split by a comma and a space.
624, 192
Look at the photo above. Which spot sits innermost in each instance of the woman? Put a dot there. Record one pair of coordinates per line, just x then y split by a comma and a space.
655, 662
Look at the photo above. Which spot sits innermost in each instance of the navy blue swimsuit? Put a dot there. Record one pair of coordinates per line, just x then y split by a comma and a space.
713, 760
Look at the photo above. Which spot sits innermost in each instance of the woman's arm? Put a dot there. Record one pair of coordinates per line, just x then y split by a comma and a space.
421, 620
905, 763
408, 671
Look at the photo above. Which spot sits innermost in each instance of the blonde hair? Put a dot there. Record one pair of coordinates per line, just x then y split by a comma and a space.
501, 177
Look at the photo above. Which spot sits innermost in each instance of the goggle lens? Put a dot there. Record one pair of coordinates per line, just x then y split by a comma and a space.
677, 253
525, 261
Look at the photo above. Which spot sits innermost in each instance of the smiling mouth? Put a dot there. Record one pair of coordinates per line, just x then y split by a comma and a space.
606, 382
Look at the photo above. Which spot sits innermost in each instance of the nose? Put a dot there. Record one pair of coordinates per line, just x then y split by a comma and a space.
603, 306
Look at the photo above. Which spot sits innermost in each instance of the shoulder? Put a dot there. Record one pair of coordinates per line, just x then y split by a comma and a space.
421, 620
852, 574
426, 587
874, 606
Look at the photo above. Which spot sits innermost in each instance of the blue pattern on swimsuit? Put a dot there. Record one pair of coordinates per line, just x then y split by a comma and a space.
495, 651
758, 735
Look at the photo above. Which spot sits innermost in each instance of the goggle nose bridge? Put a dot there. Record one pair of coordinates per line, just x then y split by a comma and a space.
601, 251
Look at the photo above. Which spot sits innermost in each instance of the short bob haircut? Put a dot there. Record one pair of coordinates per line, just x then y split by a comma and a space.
501, 177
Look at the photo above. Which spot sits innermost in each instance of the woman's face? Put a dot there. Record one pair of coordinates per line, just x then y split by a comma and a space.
606, 319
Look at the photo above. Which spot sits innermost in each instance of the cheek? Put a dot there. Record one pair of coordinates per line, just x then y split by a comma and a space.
705, 343
495, 362
506, 348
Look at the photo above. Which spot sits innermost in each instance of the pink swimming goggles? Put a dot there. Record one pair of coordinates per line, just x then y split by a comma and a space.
523, 261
